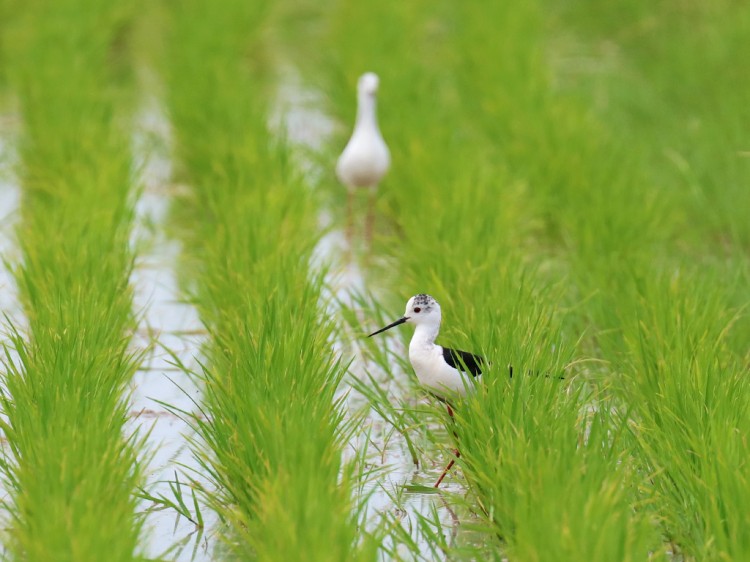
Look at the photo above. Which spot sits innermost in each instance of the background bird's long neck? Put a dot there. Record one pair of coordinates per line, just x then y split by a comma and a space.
425, 334
366, 112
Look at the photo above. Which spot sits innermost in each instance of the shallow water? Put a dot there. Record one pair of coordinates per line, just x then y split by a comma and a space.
10, 199
171, 331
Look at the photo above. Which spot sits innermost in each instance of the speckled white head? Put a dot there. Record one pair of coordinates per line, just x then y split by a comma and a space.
422, 309
368, 84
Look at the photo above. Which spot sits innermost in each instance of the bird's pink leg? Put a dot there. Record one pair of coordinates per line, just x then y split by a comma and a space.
349, 217
370, 219
457, 453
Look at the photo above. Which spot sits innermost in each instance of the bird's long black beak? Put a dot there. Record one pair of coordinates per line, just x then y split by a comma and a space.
389, 326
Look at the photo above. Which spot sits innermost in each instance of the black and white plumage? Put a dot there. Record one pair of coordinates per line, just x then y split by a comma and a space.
463, 360
441, 370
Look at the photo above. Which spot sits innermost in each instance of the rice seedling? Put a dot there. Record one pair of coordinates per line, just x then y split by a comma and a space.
270, 432
679, 92
69, 468
689, 398
678, 338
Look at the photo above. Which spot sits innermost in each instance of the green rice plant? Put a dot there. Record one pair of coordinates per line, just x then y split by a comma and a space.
673, 334
70, 470
550, 492
270, 432
676, 89
689, 395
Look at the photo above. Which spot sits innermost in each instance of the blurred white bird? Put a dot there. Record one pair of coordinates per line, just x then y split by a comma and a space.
366, 158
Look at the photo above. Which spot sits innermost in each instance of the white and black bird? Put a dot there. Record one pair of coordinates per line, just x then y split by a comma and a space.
366, 158
445, 372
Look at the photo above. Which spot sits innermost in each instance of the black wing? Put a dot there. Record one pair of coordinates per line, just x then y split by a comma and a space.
463, 360
536, 373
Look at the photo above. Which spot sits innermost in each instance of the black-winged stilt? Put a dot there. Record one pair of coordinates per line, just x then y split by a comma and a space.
445, 372
366, 158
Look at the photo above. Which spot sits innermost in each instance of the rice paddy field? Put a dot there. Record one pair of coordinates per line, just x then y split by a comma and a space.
186, 373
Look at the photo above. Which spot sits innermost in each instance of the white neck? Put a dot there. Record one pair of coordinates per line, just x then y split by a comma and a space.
425, 335
366, 112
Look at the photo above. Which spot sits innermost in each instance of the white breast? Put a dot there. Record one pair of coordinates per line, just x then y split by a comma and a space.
365, 159
434, 373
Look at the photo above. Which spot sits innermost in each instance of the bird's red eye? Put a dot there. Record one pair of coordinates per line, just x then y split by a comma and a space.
417, 309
